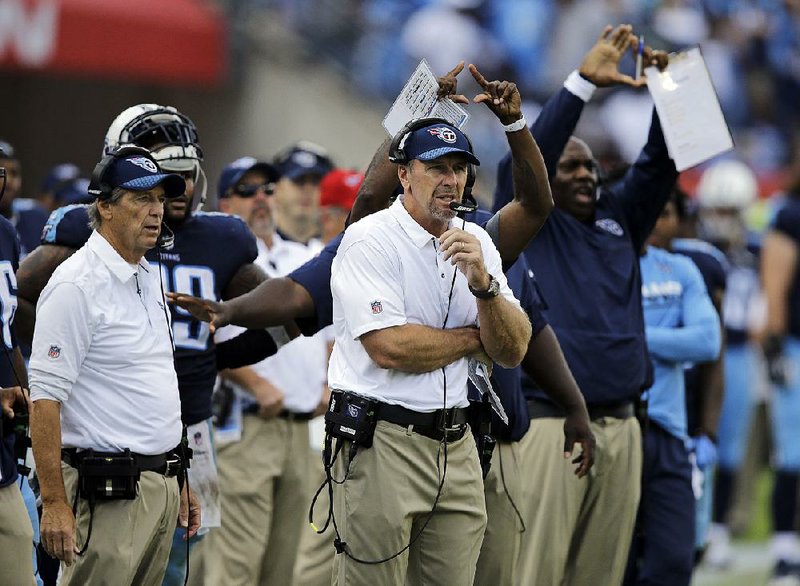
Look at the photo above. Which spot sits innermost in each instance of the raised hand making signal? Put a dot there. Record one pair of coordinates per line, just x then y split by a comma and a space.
501, 97
448, 85
601, 64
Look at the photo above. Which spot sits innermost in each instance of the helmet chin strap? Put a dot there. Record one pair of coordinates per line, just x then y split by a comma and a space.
201, 181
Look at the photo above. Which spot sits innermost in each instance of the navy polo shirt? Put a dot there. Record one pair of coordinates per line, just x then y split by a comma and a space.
588, 273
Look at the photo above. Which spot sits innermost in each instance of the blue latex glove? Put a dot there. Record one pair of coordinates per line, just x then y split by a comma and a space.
705, 451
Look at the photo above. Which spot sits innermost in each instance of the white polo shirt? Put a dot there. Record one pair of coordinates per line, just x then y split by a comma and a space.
389, 271
101, 347
299, 369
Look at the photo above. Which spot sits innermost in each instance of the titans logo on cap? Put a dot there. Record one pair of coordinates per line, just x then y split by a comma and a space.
144, 163
443, 133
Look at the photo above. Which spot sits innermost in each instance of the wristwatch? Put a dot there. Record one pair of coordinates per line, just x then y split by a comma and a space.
492, 291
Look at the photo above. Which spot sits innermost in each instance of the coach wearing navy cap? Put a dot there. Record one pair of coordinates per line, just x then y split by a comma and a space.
410, 286
302, 167
103, 384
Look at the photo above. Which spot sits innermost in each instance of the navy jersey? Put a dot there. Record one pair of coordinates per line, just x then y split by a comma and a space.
9, 262
588, 273
787, 221
28, 217
209, 249
68, 226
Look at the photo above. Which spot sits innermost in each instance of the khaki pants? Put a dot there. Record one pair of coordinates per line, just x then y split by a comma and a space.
131, 539
264, 486
501, 542
578, 530
16, 538
386, 499
314, 565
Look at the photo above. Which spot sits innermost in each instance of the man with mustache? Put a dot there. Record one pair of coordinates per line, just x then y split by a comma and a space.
106, 418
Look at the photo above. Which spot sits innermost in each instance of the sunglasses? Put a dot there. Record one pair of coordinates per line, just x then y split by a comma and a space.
251, 190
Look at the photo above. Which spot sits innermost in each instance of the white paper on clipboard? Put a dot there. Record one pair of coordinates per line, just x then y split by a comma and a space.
694, 127
418, 100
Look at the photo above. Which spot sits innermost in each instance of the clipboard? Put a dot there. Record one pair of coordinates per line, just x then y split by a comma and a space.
418, 99
691, 117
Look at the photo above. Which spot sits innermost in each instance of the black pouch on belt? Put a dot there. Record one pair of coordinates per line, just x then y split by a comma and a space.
107, 476
351, 417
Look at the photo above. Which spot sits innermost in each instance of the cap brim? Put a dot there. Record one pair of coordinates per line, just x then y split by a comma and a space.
440, 152
174, 185
296, 171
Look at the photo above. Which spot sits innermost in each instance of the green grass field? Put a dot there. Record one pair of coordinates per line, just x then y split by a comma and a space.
752, 562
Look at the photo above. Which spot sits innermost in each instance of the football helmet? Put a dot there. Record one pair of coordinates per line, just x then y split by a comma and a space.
165, 132
169, 135
727, 184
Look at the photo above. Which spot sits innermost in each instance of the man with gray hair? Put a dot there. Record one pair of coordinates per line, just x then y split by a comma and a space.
106, 424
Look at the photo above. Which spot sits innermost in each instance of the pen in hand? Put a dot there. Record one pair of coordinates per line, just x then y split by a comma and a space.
639, 55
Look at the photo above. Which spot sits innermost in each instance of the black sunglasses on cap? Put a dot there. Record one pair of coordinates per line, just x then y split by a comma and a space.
251, 190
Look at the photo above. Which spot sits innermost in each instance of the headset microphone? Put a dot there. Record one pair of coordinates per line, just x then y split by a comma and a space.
463, 207
166, 238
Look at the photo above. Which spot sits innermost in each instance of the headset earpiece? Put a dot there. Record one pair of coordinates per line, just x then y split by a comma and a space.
470, 183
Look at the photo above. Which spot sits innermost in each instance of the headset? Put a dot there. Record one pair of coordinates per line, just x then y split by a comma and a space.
99, 187
2, 177
397, 154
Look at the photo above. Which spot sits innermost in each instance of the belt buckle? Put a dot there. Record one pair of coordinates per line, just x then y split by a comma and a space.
172, 466
445, 419
454, 432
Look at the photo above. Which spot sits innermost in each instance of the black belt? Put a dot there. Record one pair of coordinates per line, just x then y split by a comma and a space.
538, 409
253, 408
438, 425
168, 464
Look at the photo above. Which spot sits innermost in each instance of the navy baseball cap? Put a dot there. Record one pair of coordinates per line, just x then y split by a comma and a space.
139, 173
59, 174
436, 140
233, 172
304, 158
74, 191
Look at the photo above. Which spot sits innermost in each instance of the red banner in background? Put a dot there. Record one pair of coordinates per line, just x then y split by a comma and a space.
172, 42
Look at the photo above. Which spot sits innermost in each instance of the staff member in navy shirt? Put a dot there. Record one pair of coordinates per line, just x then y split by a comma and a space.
16, 531
586, 262
26, 215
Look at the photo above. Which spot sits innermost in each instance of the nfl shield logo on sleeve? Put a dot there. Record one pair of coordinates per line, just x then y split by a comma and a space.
54, 351
377, 307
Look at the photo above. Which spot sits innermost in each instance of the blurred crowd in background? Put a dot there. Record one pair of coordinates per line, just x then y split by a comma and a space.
752, 49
